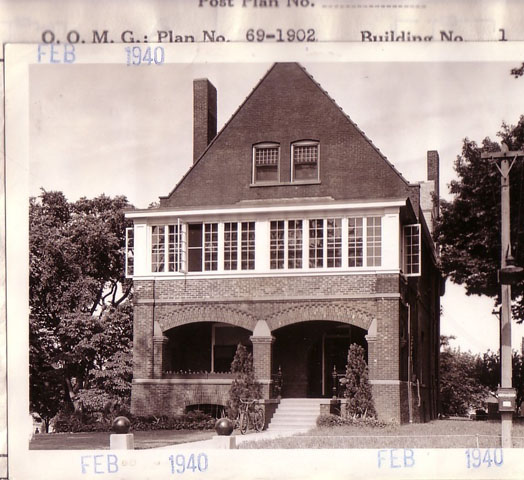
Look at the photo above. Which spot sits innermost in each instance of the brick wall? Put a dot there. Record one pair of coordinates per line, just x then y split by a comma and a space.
249, 288
350, 166
387, 402
167, 398
351, 299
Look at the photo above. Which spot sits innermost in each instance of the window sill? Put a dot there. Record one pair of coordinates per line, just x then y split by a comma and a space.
285, 184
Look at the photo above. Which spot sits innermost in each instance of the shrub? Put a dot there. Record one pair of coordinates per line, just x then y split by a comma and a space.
358, 389
244, 385
75, 422
195, 420
336, 421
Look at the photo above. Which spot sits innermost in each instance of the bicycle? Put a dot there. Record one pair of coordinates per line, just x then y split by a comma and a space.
251, 413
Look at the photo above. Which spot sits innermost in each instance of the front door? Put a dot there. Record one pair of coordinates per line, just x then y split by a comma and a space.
335, 359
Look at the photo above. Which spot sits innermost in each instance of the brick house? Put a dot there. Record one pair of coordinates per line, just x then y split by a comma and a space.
292, 234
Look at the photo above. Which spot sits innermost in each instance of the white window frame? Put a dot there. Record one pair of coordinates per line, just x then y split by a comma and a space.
370, 246
210, 247
305, 143
180, 248
238, 246
366, 243
326, 244
130, 252
407, 263
262, 146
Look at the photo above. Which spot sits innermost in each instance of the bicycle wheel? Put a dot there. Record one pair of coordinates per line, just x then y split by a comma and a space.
244, 419
260, 419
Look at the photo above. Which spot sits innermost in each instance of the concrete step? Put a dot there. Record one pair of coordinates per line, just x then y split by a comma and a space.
293, 421
297, 414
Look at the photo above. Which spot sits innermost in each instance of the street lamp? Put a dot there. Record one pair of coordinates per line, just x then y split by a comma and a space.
508, 274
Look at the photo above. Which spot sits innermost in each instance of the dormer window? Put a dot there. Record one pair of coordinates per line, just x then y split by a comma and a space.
305, 161
266, 160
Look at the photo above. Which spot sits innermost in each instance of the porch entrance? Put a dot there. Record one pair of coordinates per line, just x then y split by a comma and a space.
307, 352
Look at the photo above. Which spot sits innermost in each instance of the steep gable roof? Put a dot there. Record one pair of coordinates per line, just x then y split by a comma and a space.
288, 105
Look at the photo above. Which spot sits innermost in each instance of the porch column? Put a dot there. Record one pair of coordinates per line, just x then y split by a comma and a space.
159, 351
262, 341
371, 338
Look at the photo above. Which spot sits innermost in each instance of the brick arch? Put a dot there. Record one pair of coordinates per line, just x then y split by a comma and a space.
338, 312
177, 316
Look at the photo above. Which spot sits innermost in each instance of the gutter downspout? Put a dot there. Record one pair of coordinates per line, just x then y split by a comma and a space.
410, 395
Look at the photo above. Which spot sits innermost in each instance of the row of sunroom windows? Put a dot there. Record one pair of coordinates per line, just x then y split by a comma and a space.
293, 244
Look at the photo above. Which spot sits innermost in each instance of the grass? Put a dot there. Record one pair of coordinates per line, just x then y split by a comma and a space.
100, 440
435, 434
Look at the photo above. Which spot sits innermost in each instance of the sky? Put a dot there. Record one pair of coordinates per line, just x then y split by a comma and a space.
108, 128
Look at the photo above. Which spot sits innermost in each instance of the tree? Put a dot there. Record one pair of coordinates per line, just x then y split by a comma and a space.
80, 314
468, 230
490, 373
460, 380
358, 389
244, 386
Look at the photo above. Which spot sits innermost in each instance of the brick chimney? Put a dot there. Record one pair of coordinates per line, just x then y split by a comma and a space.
434, 174
430, 190
204, 115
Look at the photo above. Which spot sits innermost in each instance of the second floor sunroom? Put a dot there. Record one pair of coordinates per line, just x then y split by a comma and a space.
273, 240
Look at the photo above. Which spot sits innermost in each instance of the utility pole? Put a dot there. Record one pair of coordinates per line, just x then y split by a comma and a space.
508, 274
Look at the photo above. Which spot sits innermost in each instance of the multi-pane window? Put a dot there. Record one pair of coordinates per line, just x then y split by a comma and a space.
325, 243
316, 243
277, 244
210, 246
305, 160
365, 235
294, 244
158, 248
239, 237
248, 245
374, 241
355, 242
194, 247
166, 255
266, 163
230, 245
412, 249
286, 244
334, 242
130, 251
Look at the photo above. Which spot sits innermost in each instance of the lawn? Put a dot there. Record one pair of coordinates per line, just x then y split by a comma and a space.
435, 434
100, 440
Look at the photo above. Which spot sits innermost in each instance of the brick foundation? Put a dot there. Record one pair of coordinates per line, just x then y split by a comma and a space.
167, 397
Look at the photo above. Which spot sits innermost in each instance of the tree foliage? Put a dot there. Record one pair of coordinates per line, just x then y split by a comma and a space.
461, 388
80, 314
468, 231
358, 389
490, 373
244, 386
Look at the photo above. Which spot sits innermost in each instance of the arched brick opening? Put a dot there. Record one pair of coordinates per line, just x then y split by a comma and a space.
312, 356
336, 312
175, 316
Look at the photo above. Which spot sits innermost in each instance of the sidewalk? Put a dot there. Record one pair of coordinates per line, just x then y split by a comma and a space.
250, 437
